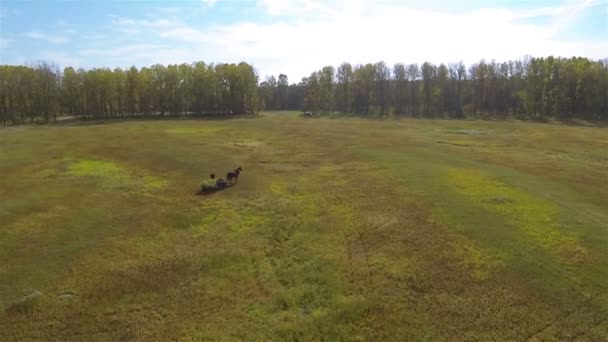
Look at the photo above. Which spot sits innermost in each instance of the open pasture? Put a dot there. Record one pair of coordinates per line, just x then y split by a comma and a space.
338, 229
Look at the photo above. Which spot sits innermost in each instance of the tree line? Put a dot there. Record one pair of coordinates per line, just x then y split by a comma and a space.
41, 93
531, 88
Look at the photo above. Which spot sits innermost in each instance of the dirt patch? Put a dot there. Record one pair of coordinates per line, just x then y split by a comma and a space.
453, 143
381, 221
65, 297
12, 129
247, 143
467, 132
500, 200
26, 303
195, 131
281, 165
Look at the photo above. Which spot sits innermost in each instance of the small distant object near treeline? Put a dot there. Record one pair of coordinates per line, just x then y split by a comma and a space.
309, 114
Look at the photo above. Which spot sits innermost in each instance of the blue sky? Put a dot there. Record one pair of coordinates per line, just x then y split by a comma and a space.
296, 36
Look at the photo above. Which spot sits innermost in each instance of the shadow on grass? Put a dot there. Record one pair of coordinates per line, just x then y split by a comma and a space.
471, 118
578, 123
211, 191
76, 121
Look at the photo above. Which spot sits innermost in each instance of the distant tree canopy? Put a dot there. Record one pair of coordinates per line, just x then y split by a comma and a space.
42, 93
532, 88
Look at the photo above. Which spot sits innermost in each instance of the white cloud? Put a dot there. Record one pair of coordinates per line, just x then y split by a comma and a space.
93, 37
60, 58
53, 39
188, 34
154, 23
304, 35
568, 12
209, 3
126, 50
133, 27
169, 10
4, 43
323, 33
300, 7
8, 12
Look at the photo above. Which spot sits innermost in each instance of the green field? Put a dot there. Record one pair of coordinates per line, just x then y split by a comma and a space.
338, 229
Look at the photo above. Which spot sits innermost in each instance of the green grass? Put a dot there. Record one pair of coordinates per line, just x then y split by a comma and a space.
338, 229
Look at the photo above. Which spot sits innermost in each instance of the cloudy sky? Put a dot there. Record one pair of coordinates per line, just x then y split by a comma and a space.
296, 37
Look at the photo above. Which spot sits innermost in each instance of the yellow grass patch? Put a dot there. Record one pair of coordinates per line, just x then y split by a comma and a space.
536, 217
46, 220
229, 216
199, 130
479, 260
114, 175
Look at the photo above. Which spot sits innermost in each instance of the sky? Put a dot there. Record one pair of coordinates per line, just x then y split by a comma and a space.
296, 37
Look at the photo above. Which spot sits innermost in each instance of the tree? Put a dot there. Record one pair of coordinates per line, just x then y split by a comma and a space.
413, 74
535, 88
71, 92
283, 91
46, 98
401, 89
429, 73
457, 77
248, 80
363, 89
131, 91
442, 90
382, 78
345, 87
312, 100
326, 87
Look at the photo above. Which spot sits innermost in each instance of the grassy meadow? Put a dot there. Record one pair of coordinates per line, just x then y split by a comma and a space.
338, 229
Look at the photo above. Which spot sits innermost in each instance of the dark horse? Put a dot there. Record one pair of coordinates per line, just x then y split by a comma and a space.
234, 174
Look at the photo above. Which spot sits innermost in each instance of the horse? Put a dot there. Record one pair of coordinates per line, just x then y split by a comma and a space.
234, 174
